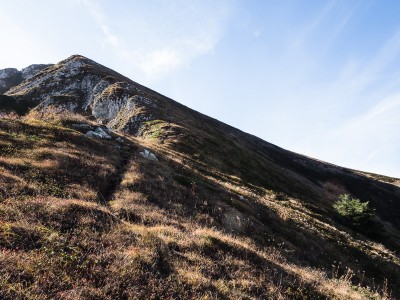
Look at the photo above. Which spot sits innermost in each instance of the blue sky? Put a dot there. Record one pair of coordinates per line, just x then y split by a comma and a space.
319, 78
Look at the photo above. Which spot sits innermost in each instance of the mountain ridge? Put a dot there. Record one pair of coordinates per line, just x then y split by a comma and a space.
124, 105
208, 179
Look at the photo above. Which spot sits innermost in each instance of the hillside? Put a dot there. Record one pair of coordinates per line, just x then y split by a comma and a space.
211, 213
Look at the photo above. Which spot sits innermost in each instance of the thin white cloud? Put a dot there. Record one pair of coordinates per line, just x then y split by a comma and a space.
371, 138
156, 45
343, 22
96, 12
160, 61
351, 119
363, 83
312, 25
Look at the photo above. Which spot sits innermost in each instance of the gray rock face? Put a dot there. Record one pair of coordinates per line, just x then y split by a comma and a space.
81, 85
103, 134
8, 78
32, 70
11, 77
93, 134
5, 73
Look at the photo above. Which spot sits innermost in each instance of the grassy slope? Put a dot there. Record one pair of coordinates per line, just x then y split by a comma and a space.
84, 219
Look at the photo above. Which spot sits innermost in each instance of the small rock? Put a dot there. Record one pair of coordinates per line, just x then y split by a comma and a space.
102, 133
119, 140
147, 154
241, 198
82, 126
152, 157
98, 133
93, 134
107, 129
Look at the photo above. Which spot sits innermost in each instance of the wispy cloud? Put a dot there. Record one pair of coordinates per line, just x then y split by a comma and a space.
155, 44
350, 117
332, 19
364, 83
309, 29
367, 140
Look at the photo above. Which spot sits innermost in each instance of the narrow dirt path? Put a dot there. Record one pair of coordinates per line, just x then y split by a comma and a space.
126, 153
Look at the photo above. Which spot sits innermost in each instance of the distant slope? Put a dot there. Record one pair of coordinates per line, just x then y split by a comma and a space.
221, 214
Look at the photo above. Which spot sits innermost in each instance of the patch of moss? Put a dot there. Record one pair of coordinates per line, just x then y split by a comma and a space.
155, 128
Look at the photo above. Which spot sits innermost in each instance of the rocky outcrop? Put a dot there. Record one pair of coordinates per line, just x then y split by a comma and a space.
11, 77
32, 70
81, 85
8, 78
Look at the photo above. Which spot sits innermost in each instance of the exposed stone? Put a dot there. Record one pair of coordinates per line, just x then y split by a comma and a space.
119, 140
93, 134
107, 129
32, 70
102, 133
152, 157
8, 78
147, 154
82, 126
5, 73
98, 133
11, 77
79, 84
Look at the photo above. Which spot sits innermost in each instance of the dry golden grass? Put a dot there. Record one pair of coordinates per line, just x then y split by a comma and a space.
81, 219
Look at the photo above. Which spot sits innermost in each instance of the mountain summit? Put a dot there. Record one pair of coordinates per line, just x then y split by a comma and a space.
130, 194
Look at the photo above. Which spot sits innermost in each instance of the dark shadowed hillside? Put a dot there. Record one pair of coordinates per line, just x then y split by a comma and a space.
109, 190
